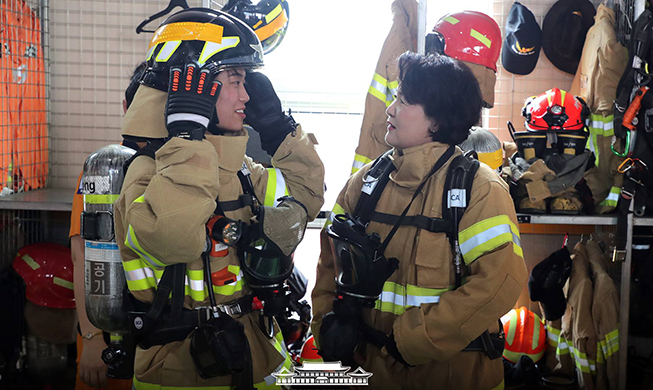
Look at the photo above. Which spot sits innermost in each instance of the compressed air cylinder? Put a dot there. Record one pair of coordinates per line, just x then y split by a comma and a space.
104, 277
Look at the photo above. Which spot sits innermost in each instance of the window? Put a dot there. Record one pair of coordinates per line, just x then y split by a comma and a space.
324, 66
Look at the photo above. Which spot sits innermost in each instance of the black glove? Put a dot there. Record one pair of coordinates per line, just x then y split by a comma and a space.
219, 347
339, 338
264, 112
192, 94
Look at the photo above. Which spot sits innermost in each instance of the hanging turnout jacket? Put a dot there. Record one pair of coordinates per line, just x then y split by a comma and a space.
605, 314
431, 322
577, 340
401, 38
602, 63
160, 220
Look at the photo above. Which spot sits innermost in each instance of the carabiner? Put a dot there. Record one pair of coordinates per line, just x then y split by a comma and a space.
629, 161
626, 148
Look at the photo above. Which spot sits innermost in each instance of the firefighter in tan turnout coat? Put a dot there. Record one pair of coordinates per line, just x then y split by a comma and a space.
171, 191
421, 331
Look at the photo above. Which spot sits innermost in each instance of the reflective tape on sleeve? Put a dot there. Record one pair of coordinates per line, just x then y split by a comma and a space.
276, 187
359, 162
379, 87
396, 298
132, 243
487, 235
613, 197
337, 209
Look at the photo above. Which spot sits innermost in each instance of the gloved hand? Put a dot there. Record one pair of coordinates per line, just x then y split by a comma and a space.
339, 338
192, 94
264, 112
219, 347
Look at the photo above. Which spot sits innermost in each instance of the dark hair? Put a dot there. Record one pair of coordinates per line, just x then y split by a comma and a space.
446, 89
135, 81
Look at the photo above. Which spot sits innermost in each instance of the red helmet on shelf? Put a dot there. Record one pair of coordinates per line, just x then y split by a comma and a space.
47, 270
525, 335
470, 36
555, 110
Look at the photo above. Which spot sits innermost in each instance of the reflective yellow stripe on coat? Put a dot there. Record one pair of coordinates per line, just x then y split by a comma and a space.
276, 187
613, 197
487, 235
141, 277
396, 298
600, 126
359, 162
383, 89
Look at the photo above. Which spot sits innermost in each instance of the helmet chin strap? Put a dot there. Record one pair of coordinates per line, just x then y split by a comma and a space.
213, 124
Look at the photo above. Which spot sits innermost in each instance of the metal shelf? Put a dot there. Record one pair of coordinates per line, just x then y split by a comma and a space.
609, 219
50, 199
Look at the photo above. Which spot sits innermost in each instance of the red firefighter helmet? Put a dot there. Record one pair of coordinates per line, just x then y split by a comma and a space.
470, 36
525, 335
555, 110
309, 352
47, 270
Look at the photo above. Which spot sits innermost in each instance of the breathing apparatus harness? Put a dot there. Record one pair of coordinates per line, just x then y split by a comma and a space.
352, 295
219, 345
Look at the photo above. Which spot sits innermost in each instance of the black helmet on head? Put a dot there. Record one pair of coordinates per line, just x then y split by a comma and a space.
210, 38
268, 19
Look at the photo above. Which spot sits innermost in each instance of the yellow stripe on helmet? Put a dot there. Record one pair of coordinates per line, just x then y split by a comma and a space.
187, 31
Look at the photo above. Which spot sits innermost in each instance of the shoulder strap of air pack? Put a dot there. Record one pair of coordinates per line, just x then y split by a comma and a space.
457, 190
374, 183
248, 198
458, 185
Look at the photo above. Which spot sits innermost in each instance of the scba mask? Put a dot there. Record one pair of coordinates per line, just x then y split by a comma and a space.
361, 267
266, 251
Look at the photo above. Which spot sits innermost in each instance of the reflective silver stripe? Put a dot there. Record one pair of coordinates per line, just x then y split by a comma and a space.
613, 197
212, 48
357, 165
414, 300
139, 274
605, 126
195, 285
204, 121
167, 51
280, 189
390, 297
479, 243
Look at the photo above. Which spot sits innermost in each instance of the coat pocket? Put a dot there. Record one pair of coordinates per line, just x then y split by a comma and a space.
433, 260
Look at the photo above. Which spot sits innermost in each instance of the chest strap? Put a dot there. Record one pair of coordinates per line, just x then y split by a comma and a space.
246, 199
433, 225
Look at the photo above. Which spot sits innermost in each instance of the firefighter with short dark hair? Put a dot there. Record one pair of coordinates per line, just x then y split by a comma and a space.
410, 295
198, 221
